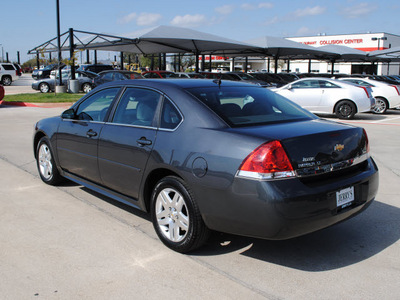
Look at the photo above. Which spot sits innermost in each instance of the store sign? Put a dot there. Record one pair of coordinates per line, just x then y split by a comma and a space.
213, 57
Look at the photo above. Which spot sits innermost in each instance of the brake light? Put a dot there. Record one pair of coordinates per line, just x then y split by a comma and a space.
268, 161
396, 88
366, 91
366, 142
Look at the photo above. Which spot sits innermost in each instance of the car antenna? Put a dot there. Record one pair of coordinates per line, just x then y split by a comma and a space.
218, 81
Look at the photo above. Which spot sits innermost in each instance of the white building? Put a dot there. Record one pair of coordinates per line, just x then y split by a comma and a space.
366, 42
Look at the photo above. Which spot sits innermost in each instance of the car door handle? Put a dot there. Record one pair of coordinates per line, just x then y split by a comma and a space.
144, 142
91, 133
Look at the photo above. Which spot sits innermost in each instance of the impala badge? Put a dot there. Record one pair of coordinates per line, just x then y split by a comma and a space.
338, 147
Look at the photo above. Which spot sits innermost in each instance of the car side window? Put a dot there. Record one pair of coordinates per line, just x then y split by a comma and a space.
95, 107
137, 107
327, 85
170, 117
306, 84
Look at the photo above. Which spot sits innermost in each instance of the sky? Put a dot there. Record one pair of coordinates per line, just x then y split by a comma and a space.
26, 24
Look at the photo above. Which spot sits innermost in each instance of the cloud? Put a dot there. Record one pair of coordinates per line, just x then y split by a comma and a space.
248, 6
302, 31
224, 10
148, 19
310, 11
358, 10
271, 21
266, 5
127, 19
144, 19
189, 20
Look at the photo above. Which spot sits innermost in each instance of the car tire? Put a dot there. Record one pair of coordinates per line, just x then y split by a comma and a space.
6, 80
345, 110
176, 216
86, 87
380, 106
44, 87
45, 163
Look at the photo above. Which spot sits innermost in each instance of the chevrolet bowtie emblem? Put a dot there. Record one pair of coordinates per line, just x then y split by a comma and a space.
338, 147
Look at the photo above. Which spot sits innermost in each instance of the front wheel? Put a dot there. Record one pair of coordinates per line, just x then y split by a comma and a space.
45, 163
86, 88
345, 110
176, 216
380, 106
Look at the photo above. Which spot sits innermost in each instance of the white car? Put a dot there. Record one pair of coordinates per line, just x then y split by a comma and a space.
386, 95
327, 96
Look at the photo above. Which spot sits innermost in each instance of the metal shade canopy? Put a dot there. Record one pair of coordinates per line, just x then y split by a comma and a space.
284, 48
391, 52
162, 39
342, 53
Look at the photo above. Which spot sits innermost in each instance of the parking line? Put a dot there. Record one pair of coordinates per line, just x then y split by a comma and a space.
379, 121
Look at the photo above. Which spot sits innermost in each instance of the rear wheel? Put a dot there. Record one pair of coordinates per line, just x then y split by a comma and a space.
45, 163
6, 80
345, 109
176, 216
381, 106
44, 87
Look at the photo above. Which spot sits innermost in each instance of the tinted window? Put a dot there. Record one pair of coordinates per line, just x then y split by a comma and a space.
108, 76
137, 107
119, 76
306, 84
327, 84
245, 106
8, 67
96, 106
170, 117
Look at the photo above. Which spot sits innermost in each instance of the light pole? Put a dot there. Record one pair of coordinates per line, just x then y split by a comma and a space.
2, 53
384, 38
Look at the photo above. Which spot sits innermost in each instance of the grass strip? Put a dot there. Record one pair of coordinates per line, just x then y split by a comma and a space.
43, 98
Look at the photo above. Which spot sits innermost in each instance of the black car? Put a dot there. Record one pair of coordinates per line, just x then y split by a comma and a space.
205, 155
114, 75
95, 68
44, 72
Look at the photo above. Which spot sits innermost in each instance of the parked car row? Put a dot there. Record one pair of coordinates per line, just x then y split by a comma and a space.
344, 97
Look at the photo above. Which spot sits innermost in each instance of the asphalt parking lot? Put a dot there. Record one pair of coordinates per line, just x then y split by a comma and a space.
69, 243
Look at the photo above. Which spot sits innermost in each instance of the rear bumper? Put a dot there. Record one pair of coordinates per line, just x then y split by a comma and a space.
285, 209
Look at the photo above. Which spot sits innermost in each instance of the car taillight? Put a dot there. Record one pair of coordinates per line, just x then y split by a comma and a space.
366, 91
268, 161
396, 88
366, 142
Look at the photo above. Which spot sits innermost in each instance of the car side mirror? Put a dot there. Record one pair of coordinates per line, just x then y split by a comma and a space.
68, 114
289, 87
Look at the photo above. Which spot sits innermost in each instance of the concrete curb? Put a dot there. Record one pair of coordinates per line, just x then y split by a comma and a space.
43, 105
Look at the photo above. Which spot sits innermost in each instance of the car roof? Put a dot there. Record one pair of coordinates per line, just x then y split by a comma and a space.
179, 83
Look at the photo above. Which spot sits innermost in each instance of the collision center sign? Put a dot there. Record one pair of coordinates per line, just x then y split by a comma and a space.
333, 42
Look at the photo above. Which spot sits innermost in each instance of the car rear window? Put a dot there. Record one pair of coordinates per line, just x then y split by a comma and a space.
249, 106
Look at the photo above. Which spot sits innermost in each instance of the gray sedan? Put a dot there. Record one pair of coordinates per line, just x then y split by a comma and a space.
48, 85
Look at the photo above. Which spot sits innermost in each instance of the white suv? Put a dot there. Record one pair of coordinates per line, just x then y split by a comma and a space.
8, 73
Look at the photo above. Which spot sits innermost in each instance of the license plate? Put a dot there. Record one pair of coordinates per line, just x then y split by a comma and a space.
345, 197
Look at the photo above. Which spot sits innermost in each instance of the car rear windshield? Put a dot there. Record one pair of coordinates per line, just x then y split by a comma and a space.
249, 106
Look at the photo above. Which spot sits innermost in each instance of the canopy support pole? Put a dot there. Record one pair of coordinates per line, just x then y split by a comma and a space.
71, 55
